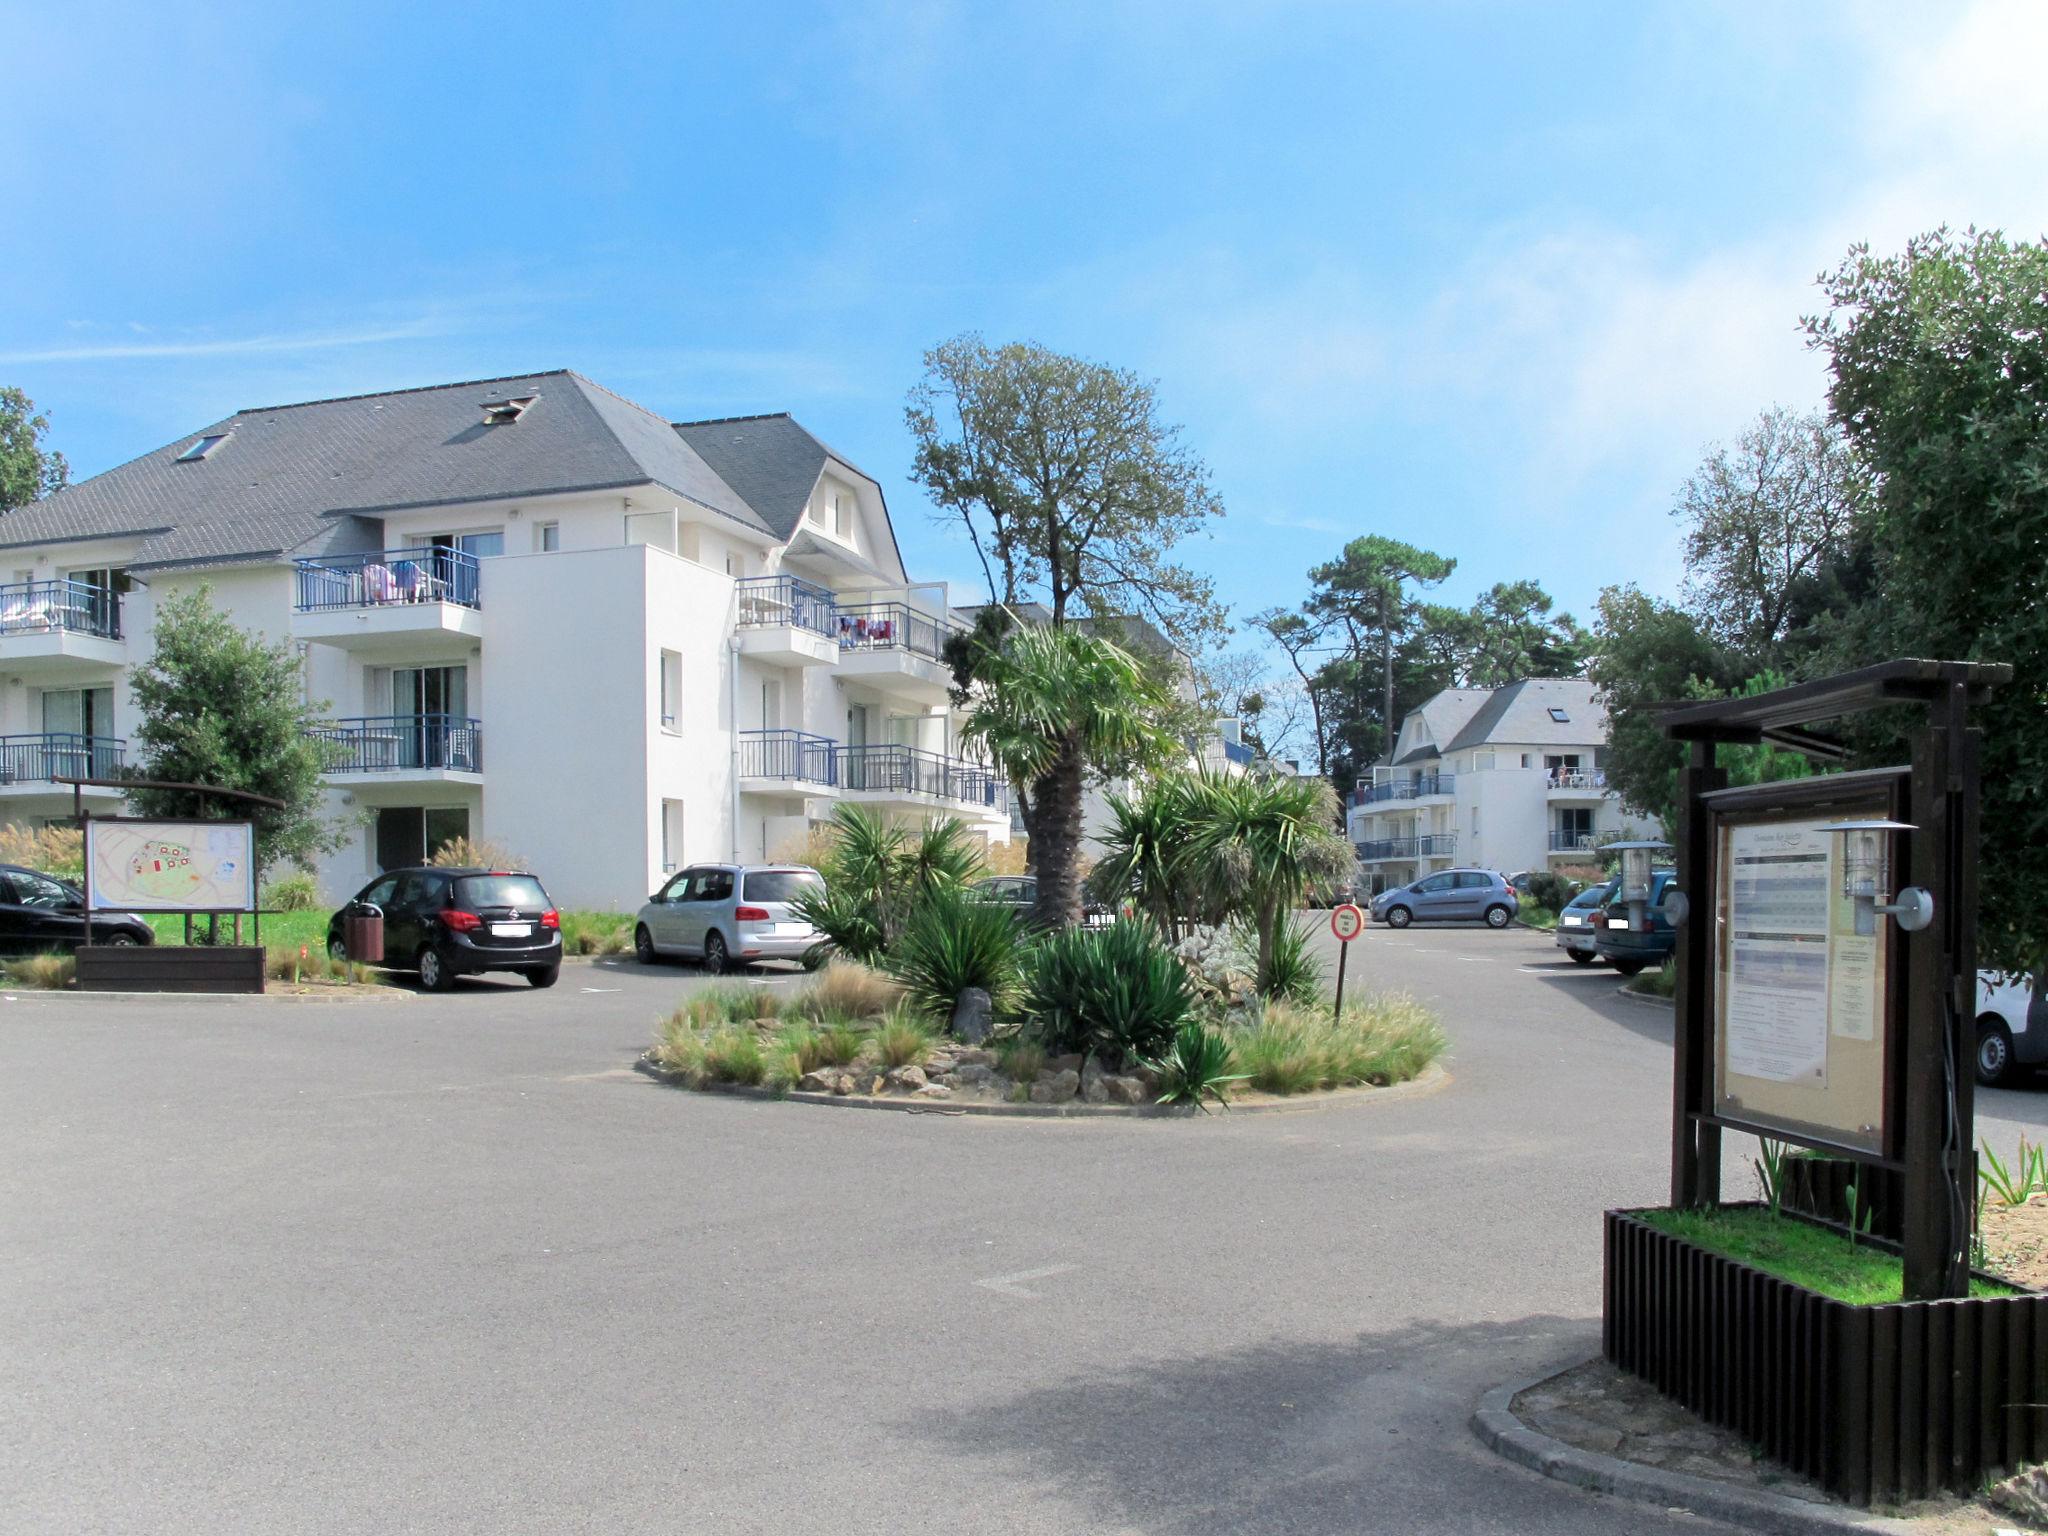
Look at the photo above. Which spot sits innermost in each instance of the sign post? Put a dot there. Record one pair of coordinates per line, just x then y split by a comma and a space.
1347, 922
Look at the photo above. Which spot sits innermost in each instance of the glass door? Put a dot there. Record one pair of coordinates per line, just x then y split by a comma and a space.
429, 703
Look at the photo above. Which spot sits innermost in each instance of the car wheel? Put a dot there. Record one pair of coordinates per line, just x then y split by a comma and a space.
716, 961
337, 952
121, 940
1579, 957
1399, 917
546, 976
1994, 1052
643, 946
1498, 917
1628, 967
434, 973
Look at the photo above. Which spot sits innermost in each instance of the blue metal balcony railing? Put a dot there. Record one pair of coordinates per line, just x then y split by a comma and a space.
395, 743
892, 626
1435, 845
1237, 752
797, 756
73, 607
44, 755
430, 573
1403, 789
767, 601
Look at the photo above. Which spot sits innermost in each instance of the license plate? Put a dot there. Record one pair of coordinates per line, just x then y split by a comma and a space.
1570, 922
1617, 922
511, 930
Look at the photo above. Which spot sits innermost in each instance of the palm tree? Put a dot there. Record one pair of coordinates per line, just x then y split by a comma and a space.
1050, 705
877, 872
1259, 841
1140, 860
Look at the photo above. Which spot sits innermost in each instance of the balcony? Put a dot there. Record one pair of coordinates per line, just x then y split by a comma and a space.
31, 764
885, 773
786, 622
1420, 788
1577, 842
1574, 784
1435, 845
1237, 752
402, 748
51, 629
387, 600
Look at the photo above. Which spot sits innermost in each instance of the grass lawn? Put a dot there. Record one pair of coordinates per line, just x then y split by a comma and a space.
1793, 1250
1533, 916
1662, 982
281, 930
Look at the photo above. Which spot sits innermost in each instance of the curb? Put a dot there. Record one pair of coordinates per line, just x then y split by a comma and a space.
1643, 1001
352, 999
1495, 1424
1431, 1080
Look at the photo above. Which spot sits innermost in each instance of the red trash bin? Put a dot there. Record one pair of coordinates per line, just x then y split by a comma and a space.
362, 936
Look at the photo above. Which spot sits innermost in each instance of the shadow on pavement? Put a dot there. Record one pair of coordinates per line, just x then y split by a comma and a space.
1312, 1440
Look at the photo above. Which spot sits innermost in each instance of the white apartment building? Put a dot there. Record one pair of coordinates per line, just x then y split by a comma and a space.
532, 612
1503, 778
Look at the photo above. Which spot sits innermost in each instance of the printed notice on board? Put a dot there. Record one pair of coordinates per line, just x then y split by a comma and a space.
1777, 985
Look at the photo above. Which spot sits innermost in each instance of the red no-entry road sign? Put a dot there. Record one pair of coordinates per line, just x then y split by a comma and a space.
1347, 922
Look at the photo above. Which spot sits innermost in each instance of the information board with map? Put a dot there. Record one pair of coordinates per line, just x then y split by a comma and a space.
1800, 994
170, 866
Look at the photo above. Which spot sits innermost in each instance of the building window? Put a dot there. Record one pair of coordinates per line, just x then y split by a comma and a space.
771, 705
408, 835
481, 545
842, 515
671, 689
671, 835
547, 537
1559, 716
1475, 821
202, 448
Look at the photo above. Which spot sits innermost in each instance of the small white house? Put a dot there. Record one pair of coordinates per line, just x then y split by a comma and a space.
532, 612
1504, 778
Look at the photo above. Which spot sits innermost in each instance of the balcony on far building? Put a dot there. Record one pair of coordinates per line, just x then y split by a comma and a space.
51, 629
886, 774
1577, 842
786, 621
401, 748
1577, 784
387, 599
1418, 787
32, 763
1433, 845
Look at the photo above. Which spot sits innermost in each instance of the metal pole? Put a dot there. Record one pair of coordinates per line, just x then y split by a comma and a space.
1343, 954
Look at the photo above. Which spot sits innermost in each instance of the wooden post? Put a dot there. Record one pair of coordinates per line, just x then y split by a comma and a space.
1695, 1148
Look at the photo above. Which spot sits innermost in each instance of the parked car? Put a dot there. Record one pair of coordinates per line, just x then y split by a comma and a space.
40, 912
1020, 892
1450, 895
728, 914
2012, 1027
445, 923
1575, 923
1630, 947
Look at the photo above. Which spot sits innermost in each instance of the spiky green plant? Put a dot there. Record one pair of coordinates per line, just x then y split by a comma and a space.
902, 1040
952, 942
734, 1055
1117, 992
1295, 972
1140, 860
1195, 1067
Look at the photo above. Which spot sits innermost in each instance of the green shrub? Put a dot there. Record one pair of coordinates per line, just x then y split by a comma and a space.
804, 1045
877, 875
839, 1044
851, 923
903, 1039
294, 891
679, 1048
953, 941
1294, 974
1547, 890
1662, 982
1388, 1038
596, 933
1020, 1058
731, 1002
1195, 1067
1117, 992
50, 972
734, 1055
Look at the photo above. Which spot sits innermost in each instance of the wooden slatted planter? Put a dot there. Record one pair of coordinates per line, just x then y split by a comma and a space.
170, 968
1875, 1404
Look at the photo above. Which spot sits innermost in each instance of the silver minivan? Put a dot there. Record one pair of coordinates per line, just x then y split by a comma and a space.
728, 915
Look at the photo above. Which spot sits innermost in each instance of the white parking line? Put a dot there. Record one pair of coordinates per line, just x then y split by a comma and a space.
1012, 1285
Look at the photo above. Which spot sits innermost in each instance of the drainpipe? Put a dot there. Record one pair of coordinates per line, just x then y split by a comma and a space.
732, 646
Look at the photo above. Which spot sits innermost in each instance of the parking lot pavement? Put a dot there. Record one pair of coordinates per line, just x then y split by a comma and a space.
446, 1264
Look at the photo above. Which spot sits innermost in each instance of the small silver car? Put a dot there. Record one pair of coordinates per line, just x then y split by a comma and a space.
728, 915
1575, 922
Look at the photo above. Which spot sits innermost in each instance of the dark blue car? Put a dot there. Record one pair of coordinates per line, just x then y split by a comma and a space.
1630, 947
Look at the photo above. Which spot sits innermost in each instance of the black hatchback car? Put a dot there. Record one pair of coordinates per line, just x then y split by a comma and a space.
40, 912
445, 923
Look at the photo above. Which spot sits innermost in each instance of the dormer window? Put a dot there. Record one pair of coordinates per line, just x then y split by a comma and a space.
502, 413
202, 448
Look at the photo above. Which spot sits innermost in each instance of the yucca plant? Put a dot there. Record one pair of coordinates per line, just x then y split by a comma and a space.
1117, 992
876, 875
1195, 1067
1140, 860
1294, 974
954, 941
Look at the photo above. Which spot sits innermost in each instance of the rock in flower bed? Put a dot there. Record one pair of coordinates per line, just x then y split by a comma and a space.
852, 1032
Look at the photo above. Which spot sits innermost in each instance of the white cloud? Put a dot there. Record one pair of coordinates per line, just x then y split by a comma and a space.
232, 346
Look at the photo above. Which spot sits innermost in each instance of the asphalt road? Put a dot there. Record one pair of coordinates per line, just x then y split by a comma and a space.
446, 1265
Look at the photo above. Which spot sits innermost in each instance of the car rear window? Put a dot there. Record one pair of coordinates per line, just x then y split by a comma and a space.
475, 891
780, 884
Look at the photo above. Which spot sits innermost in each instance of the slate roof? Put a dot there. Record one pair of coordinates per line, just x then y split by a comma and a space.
1519, 715
1444, 715
288, 478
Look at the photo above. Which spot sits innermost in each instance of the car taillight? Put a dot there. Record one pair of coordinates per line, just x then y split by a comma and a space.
551, 918
750, 914
461, 922
1599, 918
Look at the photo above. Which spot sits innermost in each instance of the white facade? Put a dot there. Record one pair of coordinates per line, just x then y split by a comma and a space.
605, 684
1489, 782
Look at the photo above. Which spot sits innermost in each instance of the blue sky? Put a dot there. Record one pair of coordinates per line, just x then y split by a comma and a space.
1488, 277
